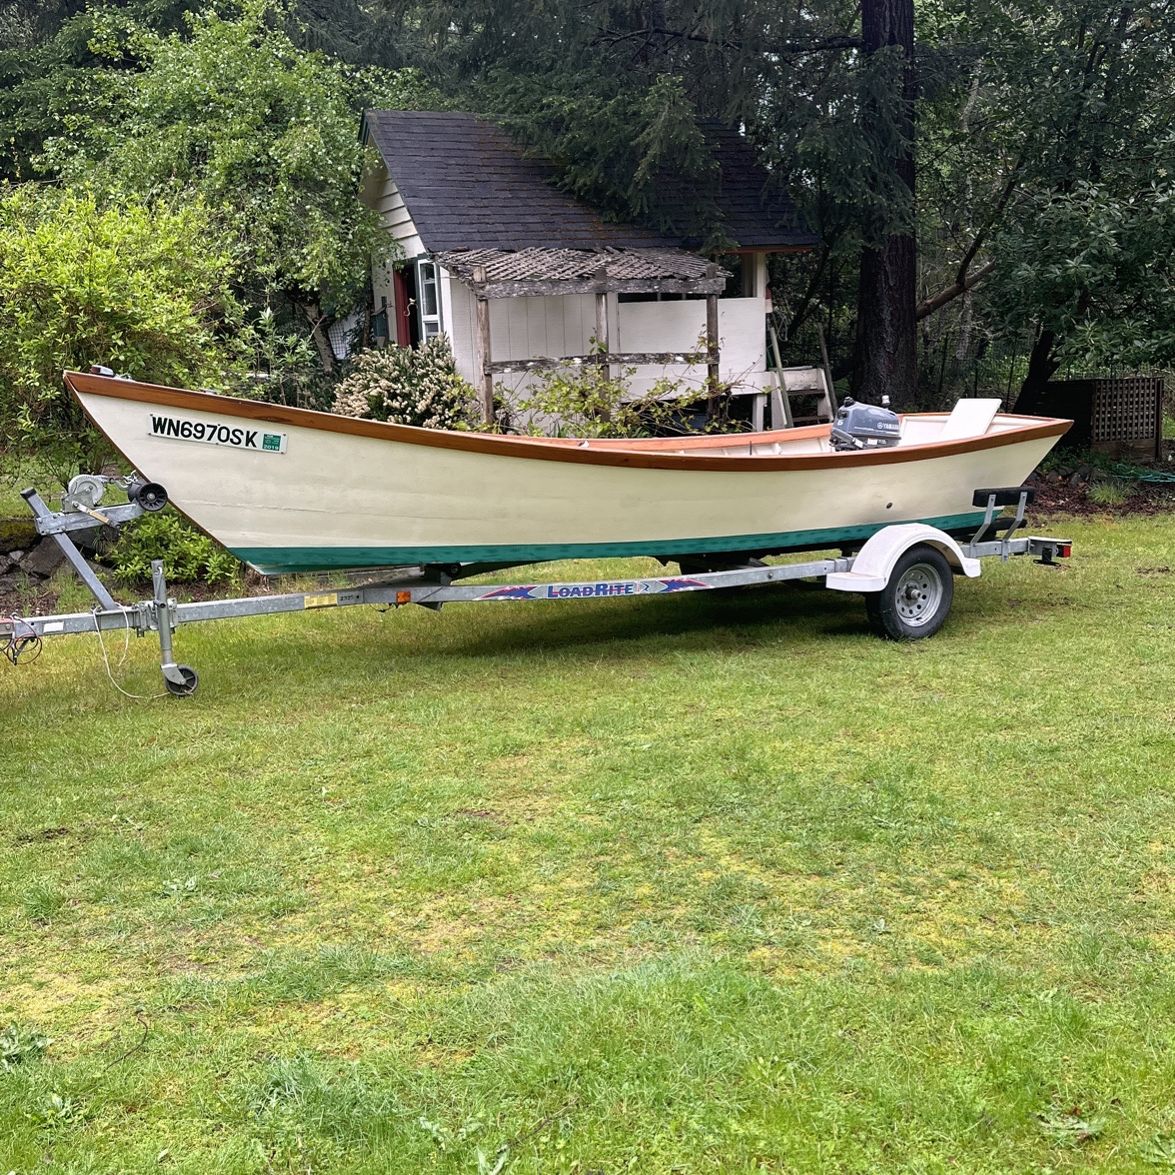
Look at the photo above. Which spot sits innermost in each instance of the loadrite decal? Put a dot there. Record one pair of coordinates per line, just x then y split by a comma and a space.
570, 591
211, 433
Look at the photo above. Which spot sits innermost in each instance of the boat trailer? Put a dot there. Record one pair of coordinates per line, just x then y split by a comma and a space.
905, 571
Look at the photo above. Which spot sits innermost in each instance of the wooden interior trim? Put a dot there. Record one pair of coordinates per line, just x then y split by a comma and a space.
618, 453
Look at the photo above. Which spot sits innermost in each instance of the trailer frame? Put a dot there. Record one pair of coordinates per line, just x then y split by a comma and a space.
868, 569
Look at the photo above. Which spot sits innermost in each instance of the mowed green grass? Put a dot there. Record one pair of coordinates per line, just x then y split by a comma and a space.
692, 884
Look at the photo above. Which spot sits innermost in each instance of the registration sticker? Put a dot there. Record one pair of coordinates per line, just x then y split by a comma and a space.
324, 600
210, 433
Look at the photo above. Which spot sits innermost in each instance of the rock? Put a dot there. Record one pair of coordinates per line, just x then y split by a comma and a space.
43, 559
14, 557
17, 533
96, 540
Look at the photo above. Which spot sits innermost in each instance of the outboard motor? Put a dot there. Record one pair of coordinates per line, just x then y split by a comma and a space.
864, 426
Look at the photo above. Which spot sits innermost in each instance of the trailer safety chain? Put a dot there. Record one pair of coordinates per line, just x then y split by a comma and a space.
23, 645
126, 612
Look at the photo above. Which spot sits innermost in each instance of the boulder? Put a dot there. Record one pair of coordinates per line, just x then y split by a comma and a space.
43, 559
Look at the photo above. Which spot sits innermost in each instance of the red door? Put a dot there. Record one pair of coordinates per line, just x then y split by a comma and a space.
402, 311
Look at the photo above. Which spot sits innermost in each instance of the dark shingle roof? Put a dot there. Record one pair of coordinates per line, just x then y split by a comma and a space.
755, 211
468, 185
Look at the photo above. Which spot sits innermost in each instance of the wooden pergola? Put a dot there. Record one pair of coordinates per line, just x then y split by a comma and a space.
536, 273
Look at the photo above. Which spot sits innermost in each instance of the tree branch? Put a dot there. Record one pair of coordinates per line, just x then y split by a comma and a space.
981, 235
824, 45
801, 312
955, 290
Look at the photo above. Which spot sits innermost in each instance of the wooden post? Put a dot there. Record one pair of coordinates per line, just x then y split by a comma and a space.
482, 356
602, 317
712, 344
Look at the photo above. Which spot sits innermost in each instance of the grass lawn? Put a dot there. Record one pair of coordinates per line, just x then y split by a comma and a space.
689, 884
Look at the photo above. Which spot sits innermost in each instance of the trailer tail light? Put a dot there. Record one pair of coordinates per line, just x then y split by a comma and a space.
403, 597
1048, 551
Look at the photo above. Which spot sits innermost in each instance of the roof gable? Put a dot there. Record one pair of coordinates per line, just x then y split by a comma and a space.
468, 185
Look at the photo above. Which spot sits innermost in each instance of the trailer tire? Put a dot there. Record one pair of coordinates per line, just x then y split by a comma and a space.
914, 604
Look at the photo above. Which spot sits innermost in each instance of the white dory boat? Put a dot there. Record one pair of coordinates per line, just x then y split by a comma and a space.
287, 489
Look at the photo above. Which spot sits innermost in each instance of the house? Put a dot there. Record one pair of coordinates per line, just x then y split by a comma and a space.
521, 275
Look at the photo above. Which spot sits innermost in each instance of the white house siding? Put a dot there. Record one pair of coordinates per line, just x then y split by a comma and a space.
520, 328
393, 216
557, 326
681, 326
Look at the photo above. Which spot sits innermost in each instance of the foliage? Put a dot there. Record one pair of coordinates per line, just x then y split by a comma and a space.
189, 555
1094, 264
408, 385
1111, 492
588, 401
235, 112
118, 283
1054, 161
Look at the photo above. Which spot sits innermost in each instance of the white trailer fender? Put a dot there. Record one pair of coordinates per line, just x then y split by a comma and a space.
875, 563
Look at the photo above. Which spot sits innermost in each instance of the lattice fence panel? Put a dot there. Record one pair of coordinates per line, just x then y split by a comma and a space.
1127, 409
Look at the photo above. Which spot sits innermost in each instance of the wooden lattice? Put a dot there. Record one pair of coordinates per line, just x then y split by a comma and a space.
1126, 409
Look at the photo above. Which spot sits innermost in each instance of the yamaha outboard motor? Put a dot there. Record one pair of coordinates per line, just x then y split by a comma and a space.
864, 426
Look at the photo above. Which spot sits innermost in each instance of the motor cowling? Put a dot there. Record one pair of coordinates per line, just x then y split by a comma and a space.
864, 426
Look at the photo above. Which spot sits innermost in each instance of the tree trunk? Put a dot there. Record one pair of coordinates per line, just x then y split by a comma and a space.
887, 340
1042, 366
317, 321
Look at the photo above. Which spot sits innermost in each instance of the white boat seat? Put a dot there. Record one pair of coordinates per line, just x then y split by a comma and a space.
969, 418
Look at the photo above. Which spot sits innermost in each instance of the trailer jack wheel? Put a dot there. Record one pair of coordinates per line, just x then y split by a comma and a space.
186, 687
916, 600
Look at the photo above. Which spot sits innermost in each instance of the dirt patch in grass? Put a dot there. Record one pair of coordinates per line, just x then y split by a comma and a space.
41, 834
1058, 494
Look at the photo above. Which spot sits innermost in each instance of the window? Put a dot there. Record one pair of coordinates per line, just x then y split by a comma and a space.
428, 299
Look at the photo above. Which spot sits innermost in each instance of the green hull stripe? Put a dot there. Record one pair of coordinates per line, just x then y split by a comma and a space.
280, 560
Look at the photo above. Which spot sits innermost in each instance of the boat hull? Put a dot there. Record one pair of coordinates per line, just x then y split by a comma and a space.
299, 491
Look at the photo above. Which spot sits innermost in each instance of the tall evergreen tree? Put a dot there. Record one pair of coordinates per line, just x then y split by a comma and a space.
886, 356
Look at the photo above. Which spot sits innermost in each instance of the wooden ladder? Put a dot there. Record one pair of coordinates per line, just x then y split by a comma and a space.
793, 382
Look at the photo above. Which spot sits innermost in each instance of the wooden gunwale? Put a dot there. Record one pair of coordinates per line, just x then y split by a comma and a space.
615, 453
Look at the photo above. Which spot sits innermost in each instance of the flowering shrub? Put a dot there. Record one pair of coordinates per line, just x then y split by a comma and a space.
407, 385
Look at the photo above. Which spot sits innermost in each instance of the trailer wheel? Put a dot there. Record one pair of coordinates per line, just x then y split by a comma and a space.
916, 601
185, 688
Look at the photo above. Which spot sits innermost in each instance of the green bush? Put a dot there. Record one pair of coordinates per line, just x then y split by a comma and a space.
136, 288
188, 555
406, 385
